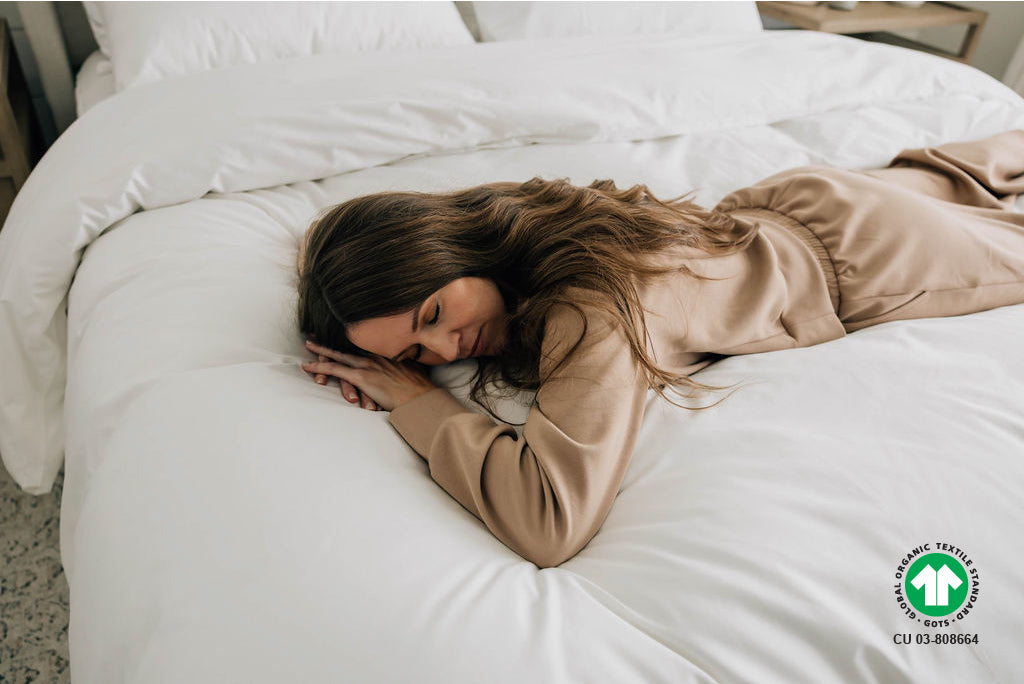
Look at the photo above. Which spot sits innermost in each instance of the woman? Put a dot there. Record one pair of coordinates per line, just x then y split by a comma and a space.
592, 296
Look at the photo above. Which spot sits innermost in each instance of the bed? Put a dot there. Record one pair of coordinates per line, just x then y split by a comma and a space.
225, 519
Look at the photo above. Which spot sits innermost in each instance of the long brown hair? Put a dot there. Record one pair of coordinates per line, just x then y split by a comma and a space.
383, 254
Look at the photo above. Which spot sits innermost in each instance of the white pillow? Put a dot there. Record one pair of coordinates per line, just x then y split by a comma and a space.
149, 41
519, 20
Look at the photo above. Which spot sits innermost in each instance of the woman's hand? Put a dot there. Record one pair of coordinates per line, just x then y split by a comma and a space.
380, 382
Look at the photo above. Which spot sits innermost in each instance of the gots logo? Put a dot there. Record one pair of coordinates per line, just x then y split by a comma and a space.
937, 582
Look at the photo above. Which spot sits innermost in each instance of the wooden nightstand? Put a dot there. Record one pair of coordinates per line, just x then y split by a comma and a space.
874, 20
17, 127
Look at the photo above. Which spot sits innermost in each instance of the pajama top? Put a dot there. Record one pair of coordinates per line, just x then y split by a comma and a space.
835, 251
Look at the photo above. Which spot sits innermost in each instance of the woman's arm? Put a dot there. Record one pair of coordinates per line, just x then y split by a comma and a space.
547, 494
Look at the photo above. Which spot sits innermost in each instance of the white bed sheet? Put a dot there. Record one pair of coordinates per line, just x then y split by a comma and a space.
225, 519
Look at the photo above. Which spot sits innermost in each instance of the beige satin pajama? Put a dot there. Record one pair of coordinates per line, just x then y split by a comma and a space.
929, 236
836, 251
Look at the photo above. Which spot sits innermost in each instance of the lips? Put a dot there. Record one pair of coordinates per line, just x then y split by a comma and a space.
478, 346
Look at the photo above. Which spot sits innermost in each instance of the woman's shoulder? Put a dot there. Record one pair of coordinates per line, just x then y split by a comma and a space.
586, 321
582, 316
677, 255
584, 340
578, 308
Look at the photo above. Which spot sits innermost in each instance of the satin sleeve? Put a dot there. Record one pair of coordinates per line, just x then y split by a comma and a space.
546, 494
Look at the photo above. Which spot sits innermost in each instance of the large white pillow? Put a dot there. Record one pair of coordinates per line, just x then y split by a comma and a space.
519, 20
149, 41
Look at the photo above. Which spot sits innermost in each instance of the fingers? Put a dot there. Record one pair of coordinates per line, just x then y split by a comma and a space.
354, 396
320, 378
350, 359
347, 368
349, 391
319, 349
360, 399
337, 370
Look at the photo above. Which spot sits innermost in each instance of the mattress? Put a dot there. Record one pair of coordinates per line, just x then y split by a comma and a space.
226, 519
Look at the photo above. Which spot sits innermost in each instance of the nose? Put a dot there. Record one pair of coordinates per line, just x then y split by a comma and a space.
444, 343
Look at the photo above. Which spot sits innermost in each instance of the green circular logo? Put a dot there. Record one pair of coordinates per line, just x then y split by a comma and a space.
936, 584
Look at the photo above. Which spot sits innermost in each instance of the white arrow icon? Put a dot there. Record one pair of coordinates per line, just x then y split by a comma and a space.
936, 584
944, 580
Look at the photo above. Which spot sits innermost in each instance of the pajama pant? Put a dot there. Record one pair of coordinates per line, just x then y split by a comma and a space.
933, 234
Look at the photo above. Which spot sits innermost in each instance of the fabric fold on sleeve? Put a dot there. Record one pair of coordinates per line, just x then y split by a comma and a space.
547, 493
418, 420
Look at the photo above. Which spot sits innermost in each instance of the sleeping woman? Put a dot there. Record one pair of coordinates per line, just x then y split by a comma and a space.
591, 296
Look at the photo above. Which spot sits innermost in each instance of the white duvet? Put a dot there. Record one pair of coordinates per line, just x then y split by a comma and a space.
227, 520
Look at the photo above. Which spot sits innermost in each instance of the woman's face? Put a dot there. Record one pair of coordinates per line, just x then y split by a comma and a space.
464, 318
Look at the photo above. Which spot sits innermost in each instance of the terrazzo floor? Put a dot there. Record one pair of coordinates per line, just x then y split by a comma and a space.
33, 589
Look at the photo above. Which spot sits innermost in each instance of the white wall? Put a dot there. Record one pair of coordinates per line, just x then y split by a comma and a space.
9, 11
999, 38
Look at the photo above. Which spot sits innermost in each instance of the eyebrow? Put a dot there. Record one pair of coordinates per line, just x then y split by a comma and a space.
415, 326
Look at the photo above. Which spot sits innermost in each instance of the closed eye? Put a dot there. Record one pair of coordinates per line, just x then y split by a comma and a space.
432, 321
